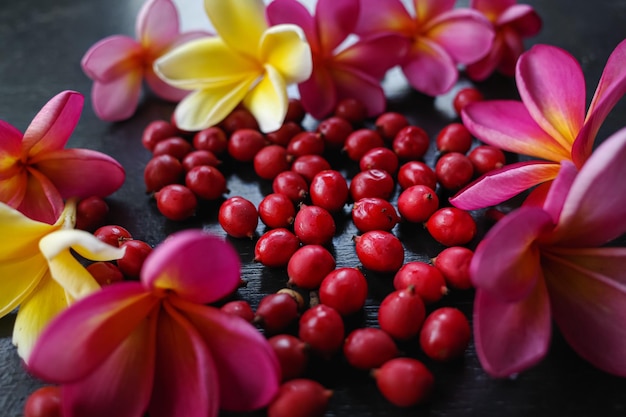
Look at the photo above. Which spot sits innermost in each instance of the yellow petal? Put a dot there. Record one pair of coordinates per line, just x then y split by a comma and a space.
208, 107
285, 48
65, 268
19, 234
45, 302
268, 100
240, 23
18, 278
204, 63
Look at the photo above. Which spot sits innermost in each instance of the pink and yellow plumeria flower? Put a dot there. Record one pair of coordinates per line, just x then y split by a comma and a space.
441, 37
248, 62
549, 123
37, 173
156, 346
512, 23
119, 64
543, 263
339, 72
38, 273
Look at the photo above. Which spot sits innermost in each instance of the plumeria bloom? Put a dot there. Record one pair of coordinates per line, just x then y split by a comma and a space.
354, 71
441, 37
119, 64
544, 263
549, 123
248, 62
154, 345
512, 23
38, 273
37, 173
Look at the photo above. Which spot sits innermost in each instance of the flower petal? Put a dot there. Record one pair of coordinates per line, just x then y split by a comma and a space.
24, 234
197, 266
352, 83
42, 201
511, 337
389, 51
335, 21
10, 152
491, 8
590, 308
292, 11
18, 278
507, 125
429, 68
484, 67
318, 94
186, 383
163, 89
111, 58
96, 325
157, 24
117, 99
284, 48
247, 368
13, 189
378, 16
268, 100
501, 184
607, 262
53, 125
513, 47
81, 172
521, 17
559, 189
506, 262
552, 87
426, 10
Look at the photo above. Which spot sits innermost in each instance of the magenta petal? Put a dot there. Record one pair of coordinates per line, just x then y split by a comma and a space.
247, 368
157, 24
511, 337
491, 8
335, 20
512, 48
501, 184
117, 99
11, 148
427, 10
484, 67
559, 189
523, 18
354, 84
379, 16
292, 11
506, 263
81, 172
52, 126
41, 200
389, 51
318, 94
163, 89
429, 69
197, 266
111, 57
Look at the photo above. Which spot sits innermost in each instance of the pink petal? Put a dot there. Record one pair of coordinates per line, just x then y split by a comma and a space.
163, 89
464, 33
559, 189
112, 57
484, 67
81, 172
389, 51
42, 201
186, 383
610, 90
426, 10
523, 18
10, 151
247, 368
117, 99
13, 189
506, 263
121, 385
318, 94
197, 266
590, 307
378, 16
552, 87
501, 184
292, 11
352, 83
157, 24
429, 69
53, 125
607, 262
96, 326
511, 337
335, 20
507, 125
512, 49
491, 8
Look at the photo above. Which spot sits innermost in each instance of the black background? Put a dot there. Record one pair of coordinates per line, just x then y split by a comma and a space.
41, 44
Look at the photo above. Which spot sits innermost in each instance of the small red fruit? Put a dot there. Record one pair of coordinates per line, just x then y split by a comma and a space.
380, 158
276, 312
309, 165
404, 382
175, 146
300, 398
206, 182
416, 172
427, 281
292, 354
379, 251
372, 183
401, 314
136, 252
238, 217
352, 110
454, 170
309, 265
486, 158
454, 138
91, 213
112, 235
374, 214
389, 124
417, 203
277, 210
292, 185
322, 328
411, 143
162, 170
212, 139
314, 225
359, 142
157, 131
271, 161
275, 247
466, 96
454, 263
445, 334
345, 290
451, 226
329, 190
240, 308
244, 144
369, 348
176, 202
44, 402
105, 273
334, 131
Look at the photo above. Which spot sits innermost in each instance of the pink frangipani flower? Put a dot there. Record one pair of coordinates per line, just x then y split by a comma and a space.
441, 37
118, 64
544, 263
353, 71
37, 173
155, 346
512, 23
549, 123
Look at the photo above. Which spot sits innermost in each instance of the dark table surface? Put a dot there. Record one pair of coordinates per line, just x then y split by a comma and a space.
41, 44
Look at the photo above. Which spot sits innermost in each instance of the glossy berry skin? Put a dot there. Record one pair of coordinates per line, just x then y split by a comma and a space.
352, 110
401, 314
276, 312
295, 111
372, 183
306, 143
238, 217
454, 170
411, 143
300, 397
200, 157
275, 247
238, 119
389, 124
240, 308
310, 165
271, 161
453, 263
314, 225
404, 382
426, 280
292, 354
136, 252
292, 185
374, 213
44, 402
212, 139
334, 130
176, 202
309, 265
162, 170
466, 96
206, 182
380, 158
345, 290
454, 137
112, 234
284, 134
175, 146
329, 190
417, 203
105, 273
322, 328
276, 210
415, 173
244, 144
359, 142
445, 334
451, 226
369, 348
157, 131
485, 158
91, 213
379, 251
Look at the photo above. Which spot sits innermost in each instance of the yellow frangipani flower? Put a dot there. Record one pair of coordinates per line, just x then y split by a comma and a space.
247, 62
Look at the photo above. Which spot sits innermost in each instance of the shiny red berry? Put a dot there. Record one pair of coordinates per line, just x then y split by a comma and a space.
404, 382
238, 217
345, 290
390, 123
417, 203
322, 328
411, 143
44, 402
451, 226
271, 161
292, 354
175, 146
277, 210
240, 308
309, 165
162, 170
200, 157
454, 170
284, 135
334, 130
466, 96
427, 281
206, 182
300, 397
276, 312
136, 252
445, 334
372, 183
416, 172
292, 185
369, 348
176, 202
113, 235
486, 158
157, 131
244, 144
360, 141
379, 251
401, 313
212, 139
309, 265
374, 214
91, 213
314, 225
329, 190
240, 118
454, 137
352, 110
454, 263
275, 247
306, 143
380, 158
105, 273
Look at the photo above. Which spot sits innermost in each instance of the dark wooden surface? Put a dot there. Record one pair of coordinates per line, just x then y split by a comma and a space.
41, 44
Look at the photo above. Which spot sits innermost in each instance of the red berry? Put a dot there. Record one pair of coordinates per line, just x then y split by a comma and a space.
451, 226
360, 141
322, 328
206, 182
275, 247
401, 313
240, 308
454, 170
295, 111
105, 273
271, 161
404, 382
427, 281
380, 158
176, 202
300, 398
416, 172
212, 139
44, 402
379, 251
200, 157
334, 131
240, 118
454, 138
113, 235
374, 214
292, 354
309, 265
136, 252
157, 131
352, 110
486, 158
345, 290
162, 170
238, 217
306, 143
454, 263
276, 312
369, 348
91, 213
244, 144
314, 225
417, 203
309, 165
445, 334
411, 143
175, 146
372, 183
277, 210
466, 96
329, 190
389, 124
292, 185
284, 135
